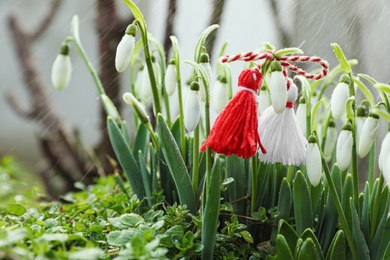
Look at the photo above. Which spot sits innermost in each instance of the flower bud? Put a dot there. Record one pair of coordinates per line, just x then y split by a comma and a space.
62, 69
384, 158
110, 108
313, 161
344, 147
205, 63
170, 78
278, 88
221, 95
340, 97
331, 140
301, 115
368, 134
125, 49
359, 122
192, 108
264, 100
138, 108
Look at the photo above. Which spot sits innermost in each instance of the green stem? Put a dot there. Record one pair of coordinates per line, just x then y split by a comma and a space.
371, 167
149, 65
355, 176
195, 161
152, 135
254, 183
375, 207
339, 208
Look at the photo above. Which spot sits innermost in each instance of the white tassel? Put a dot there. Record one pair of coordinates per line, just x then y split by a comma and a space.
281, 135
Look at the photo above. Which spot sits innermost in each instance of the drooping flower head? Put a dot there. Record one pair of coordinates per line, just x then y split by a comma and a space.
125, 48
62, 68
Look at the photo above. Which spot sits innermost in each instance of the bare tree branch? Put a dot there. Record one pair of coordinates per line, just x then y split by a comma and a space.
218, 7
47, 19
285, 40
169, 22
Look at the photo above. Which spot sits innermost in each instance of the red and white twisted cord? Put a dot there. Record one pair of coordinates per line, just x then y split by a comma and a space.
285, 61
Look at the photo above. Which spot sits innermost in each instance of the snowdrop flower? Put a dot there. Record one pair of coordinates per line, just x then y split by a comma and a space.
264, 100
331, 140
192, 107
278, 89
313, 161
220, 95
62, 68
344, 147
361, 115
205, 63
170, 78
384, 158
125, 49
145, 87
157, 71
138, 108
368, 134
340, 97
301, 115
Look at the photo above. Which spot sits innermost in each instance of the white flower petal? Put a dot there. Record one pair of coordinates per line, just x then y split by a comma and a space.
137, 106
359, 122
145, 90
313, 164
339, 99
192, 111
61, 71
170, 79
123, 52
368, 135
330, 143
344, 149
220, 96
264, 101
278, 91
384, 156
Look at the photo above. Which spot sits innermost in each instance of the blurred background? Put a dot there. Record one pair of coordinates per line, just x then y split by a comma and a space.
60, 135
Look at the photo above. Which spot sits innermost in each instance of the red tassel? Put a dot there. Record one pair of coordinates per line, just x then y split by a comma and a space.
235, 130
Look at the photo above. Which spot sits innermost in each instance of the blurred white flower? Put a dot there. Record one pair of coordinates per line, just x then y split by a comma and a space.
384, 158
220, 96
125, 49
145, 88
137, 106
278, 88
359, 122
313, 162
339, 99
192, 108
301, 115
264, 100
170, 78
368, 134
62, 69
110, 107
331, 140
344, 148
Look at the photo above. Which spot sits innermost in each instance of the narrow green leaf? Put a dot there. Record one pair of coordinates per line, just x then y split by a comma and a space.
235, 168
384, 248
365, 212
136, 12
365, 90
341, 58
337, 249
288, 233
146, 177
357, 235
201, 41
125, 157
176, 165
211, 210
309, 250
141, 139
347, 194
349, 108
314, 113
284, 201
381, 113
302, 203
383, 214
283, 251
309, 234
383, 87
288, 51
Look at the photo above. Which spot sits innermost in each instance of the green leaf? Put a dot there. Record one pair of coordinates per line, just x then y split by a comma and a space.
381, 113
120, 238
54, 237
145, 176
289, 234
384, 248
87, 253
365, 212
337, 249
302, 203
201, 41
309, 250
131, 219
211, 210
365, 90
383, 214
176, 165
314, 113
284, 202
136, 12
357, 235
347, 194
125, 157
341, 58
246, 236
141, 139
287, 51
309, 234
16, 209
235, 168
283, 251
